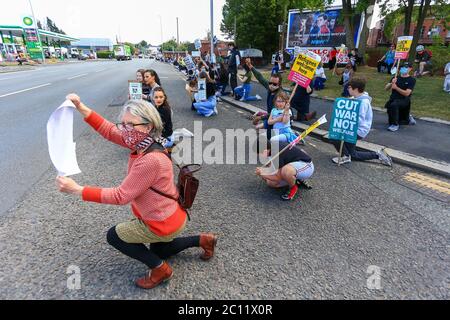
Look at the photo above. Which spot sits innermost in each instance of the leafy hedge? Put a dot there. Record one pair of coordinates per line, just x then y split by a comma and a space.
105, 54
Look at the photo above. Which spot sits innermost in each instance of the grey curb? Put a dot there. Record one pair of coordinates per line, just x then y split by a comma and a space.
429, 165
433, 120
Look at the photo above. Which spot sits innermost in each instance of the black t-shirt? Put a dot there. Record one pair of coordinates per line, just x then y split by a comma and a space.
301, 99
210, 89
166, 117
403, 83
293, 155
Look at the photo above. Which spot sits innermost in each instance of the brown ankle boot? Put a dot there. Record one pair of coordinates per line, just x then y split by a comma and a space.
155, 276
208, 243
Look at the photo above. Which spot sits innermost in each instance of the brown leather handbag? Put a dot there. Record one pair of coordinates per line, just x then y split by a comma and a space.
187, 184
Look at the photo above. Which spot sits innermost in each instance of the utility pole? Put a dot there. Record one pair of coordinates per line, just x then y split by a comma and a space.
212, 28
178, 34
37, 31
160, 24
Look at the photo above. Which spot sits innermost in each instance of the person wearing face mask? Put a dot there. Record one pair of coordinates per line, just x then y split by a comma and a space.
399, 104
273, 86
157, 220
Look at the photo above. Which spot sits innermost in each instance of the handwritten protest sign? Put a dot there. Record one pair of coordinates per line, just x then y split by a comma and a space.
345, 120
135, 90
189, 63
304, 68
403, 47
198, 44
201, 96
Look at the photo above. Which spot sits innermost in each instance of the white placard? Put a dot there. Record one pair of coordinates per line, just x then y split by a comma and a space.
196, 54
60, 140
202, 89
135, 90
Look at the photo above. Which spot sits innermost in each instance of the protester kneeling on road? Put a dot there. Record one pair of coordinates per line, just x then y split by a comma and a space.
291, 169
356, 88
158, 220
151, 81
207, 107
301, 101
273, 86
399, 104
280, 119
165, 112
242, 93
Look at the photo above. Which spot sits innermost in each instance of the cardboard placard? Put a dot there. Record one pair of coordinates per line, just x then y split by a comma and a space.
345, 120
304, 68
135, 90
403, 47
202, 90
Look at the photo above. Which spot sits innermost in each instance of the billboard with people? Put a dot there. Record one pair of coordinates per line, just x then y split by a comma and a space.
319, 31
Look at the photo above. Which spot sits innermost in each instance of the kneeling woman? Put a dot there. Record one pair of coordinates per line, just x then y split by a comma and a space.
292, 168
157, 220
206, 107
165, 112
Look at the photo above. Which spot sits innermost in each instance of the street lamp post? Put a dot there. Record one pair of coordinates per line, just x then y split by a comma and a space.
212, 28
37, 31
160, 23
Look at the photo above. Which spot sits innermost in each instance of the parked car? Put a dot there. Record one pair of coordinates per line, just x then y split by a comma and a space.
83, 56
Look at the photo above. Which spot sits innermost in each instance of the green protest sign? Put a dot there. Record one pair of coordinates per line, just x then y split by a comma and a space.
345, 120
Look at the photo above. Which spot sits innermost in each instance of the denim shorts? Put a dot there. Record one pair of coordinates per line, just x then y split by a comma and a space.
305, 170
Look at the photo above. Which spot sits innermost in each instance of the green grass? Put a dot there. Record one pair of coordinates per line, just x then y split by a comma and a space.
429, 100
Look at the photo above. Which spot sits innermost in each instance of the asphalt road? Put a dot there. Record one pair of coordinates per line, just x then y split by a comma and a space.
361, 223
426, 139
27, 100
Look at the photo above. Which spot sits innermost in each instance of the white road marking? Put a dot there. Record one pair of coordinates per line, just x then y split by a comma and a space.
100, 70
10, 94
78, 76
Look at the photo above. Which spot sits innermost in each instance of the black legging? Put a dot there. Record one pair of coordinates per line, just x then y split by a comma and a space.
153, 256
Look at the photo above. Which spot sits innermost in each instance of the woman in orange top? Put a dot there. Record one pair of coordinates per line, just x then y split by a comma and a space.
158, 220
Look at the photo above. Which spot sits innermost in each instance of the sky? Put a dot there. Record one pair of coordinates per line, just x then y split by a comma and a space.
130, 20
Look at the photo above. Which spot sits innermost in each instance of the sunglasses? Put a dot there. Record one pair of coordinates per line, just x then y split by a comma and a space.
274, 84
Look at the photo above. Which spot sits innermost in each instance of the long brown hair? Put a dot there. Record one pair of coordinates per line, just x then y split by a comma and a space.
166, 102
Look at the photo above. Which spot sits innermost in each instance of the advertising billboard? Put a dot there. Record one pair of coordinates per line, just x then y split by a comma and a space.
318, 31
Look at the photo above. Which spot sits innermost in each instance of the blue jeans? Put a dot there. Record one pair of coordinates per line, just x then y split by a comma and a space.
345, 93
244, 92
319, 83
206, 108
276, 68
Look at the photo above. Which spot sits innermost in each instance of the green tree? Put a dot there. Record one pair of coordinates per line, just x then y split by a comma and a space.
169, 45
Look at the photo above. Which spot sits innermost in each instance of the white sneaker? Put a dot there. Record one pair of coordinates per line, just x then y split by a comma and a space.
384, 158
242, 99
258, 97
412, 121
393, 128
343, 160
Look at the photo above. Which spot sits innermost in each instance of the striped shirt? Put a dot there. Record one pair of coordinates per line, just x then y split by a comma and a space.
162, 215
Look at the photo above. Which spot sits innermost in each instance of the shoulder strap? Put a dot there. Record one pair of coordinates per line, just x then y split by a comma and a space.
156, 147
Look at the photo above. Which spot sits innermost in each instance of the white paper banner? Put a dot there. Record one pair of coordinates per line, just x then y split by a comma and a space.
60, 140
